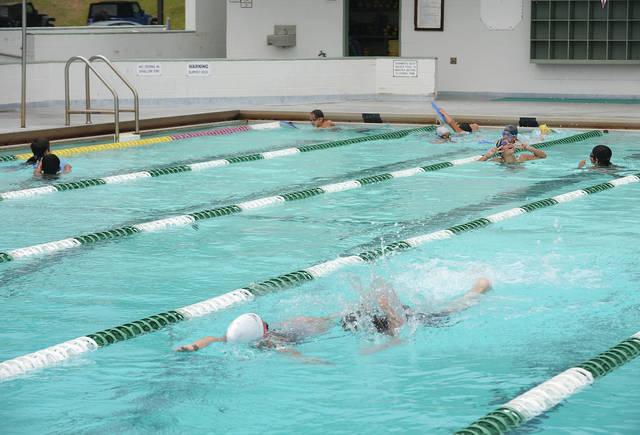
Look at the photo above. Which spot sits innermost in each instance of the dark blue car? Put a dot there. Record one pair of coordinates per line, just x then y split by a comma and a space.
119, 10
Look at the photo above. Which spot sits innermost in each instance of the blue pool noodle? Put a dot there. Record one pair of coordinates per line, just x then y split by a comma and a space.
437, 109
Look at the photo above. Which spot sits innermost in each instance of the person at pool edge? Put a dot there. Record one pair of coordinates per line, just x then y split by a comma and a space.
600, 157
318, 120
506, 146
388, 317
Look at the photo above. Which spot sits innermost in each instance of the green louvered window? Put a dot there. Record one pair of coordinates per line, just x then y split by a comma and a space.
582, 31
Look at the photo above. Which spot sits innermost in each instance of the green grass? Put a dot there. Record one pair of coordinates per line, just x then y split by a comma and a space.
75, 12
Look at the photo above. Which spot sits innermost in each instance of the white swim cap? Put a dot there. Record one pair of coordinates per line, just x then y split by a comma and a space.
247, 327
442, 131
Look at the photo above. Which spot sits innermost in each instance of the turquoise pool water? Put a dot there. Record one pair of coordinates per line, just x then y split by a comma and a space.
565, 289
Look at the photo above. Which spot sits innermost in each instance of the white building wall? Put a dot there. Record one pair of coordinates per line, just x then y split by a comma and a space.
266, 81
319, 26
497, 61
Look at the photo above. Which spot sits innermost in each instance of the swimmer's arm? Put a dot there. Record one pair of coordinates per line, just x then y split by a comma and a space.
488, 154
388, 301
480, 287
327, 124
451, 122
199, 344
38, 169
295, 353
537, 154
374, 349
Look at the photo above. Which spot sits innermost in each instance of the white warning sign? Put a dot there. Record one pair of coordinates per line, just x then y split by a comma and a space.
198, 69
149, 69
405, 68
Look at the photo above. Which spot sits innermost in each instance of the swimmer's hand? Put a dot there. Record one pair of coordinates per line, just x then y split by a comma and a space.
524, 146
200, 344
492, 152
582, 163
187, 348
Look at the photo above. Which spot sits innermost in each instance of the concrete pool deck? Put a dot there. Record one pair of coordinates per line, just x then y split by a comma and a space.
49, 121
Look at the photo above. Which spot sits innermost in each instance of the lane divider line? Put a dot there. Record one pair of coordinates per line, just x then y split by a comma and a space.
167, 170
148, 141
51, 355
550, 393
51, 247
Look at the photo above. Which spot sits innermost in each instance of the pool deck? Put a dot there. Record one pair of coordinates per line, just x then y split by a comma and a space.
49, 121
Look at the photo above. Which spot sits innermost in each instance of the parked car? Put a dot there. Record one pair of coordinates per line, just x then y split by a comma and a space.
114, 23
11, 16
119, 10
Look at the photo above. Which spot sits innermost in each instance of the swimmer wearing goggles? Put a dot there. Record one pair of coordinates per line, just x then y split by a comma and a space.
505, 149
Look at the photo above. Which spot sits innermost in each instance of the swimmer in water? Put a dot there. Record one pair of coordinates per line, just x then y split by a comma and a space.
41, 149
391, 315
318, 120
506, 146
50, 164
444, 135
600, 158
388, 317
463, 127
250, 328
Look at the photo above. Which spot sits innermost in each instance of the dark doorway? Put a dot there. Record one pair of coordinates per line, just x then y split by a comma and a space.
373, 27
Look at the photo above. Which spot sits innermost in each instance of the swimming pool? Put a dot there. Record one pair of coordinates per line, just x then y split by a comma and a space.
564, 288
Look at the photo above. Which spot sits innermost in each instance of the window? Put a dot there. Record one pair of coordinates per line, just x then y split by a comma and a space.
582, 31
373, 27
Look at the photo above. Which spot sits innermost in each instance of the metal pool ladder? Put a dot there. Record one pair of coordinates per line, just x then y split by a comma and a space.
88, 110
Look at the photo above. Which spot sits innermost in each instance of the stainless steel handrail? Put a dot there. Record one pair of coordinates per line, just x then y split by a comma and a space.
136, 107
116, 111
87, 97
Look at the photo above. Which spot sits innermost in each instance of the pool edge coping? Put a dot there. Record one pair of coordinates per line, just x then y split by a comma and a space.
157, 124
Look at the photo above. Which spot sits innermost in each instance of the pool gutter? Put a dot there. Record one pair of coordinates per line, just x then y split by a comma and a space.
105, 129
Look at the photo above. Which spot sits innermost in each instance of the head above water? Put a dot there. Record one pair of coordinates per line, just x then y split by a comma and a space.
602, 155
360, 320
443, 131
511, 129
246, 328
317, 113
39, 148
50, 164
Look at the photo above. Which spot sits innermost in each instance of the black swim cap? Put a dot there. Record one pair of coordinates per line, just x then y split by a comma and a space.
358, 321
603, 154
465, 127
50, 164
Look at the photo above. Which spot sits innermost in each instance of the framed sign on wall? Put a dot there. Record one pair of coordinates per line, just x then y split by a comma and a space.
428, 15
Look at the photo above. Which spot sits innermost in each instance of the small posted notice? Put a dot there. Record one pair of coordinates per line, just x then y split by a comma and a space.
149, 69
405, 68
198, 69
